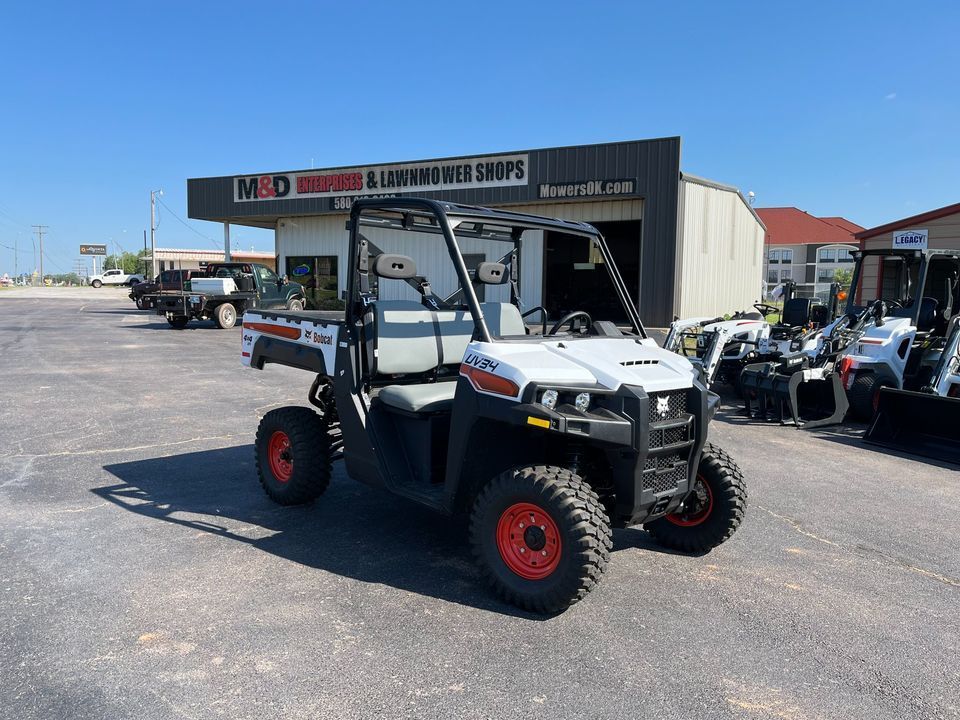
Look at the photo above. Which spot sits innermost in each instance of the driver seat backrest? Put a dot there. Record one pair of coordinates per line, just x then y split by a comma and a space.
927, 317
796, 312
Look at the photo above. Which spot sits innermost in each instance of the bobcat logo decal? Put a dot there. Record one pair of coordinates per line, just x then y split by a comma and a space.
663, 406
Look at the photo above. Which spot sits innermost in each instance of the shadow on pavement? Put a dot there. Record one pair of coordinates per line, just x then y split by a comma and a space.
352, 530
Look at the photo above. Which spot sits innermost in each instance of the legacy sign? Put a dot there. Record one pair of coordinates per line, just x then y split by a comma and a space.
460, 174
93, 249
910, 239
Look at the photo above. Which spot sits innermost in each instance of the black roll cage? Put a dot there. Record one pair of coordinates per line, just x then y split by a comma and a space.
433, 216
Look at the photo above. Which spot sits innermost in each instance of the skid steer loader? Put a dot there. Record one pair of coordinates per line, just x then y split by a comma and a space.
892, 335
927, 422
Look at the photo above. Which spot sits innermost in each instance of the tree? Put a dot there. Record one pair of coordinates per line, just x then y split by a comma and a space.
844, 276
127, 261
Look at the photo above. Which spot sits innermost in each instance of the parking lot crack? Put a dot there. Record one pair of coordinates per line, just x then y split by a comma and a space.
796, 525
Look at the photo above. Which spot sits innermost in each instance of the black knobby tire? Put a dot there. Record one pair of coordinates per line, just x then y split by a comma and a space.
712, 513
574, 514
863, 395
141, 303
306, 473
97, 284
178, 322
225, 316
295, 305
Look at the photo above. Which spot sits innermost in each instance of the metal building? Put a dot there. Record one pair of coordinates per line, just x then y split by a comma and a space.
685, 245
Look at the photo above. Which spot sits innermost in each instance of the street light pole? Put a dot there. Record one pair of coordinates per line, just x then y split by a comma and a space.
153, 230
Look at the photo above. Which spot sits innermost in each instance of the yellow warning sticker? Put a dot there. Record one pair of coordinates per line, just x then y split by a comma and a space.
539, 422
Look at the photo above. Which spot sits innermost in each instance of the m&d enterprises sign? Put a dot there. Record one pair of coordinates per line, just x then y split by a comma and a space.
93, 249
432, 176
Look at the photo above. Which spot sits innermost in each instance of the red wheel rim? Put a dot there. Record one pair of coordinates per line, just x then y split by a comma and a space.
701, 511
528, 541
281, 459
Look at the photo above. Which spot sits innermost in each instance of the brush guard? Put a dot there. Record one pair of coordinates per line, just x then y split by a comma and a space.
790, 390
918, 423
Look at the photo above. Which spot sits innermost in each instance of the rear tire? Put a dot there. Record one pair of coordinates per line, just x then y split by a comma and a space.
295, 305
293, 455
225, 316
541, 537
178, 322
864, 395
97, 284
712, 513
133, 282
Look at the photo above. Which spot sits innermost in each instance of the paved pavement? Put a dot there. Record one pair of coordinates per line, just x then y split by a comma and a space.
144, 574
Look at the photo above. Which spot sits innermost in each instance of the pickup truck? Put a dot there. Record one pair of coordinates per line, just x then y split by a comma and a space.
142, 293
225, 291
115, 277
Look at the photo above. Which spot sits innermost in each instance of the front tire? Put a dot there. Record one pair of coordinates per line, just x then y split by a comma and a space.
541, 537
225, 316
295, 305
864, 395
293, 455
97, 284
712, 513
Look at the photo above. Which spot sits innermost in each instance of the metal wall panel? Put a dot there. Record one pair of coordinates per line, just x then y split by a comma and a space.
720, 253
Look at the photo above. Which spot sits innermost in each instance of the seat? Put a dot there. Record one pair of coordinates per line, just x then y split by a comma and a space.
796, 312
425, 398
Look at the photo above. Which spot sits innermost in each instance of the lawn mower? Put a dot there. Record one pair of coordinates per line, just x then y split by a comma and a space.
542, 439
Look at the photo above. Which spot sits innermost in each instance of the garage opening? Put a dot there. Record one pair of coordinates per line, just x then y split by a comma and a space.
575, 277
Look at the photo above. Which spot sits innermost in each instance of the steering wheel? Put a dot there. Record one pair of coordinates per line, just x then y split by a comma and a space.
568, 320
765, 309
895, 304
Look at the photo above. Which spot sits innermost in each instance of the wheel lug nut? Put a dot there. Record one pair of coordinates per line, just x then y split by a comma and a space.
523, 550
544, 553
521, 524
543, 527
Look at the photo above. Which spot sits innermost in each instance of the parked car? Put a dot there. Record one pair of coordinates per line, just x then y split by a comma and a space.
115, 276
167, 280
225, 291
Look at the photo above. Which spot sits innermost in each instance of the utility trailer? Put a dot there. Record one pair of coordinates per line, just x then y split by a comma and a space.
542, 441
227, 291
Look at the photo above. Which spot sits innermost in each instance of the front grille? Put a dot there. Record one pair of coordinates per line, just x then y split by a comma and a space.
664, 473
667, 405
669, 436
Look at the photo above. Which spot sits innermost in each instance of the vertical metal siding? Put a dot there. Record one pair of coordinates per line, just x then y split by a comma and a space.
720, 252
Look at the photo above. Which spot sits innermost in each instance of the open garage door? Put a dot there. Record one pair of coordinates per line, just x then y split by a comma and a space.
575, 277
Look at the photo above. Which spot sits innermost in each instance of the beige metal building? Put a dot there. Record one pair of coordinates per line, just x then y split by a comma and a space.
187, 259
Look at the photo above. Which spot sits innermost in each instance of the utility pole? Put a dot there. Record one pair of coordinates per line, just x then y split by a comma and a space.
40, 230
153, 229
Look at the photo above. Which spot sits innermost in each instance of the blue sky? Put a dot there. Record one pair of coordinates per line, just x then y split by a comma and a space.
838, 108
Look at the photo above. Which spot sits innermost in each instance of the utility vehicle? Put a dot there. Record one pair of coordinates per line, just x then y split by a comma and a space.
544, 439
225, 291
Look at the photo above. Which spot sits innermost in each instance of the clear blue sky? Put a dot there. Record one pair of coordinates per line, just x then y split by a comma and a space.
838, 108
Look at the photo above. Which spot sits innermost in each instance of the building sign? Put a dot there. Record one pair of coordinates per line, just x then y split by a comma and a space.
432, 176
93, 249
910, 239
590, 188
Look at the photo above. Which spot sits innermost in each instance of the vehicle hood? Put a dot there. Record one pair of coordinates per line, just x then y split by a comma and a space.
608, 362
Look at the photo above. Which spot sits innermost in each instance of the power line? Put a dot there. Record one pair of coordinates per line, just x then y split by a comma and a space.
188, 227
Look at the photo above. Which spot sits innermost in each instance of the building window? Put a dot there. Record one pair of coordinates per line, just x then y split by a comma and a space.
825, 275
786, 256
843, 255
318, 275
786, 274
773, 256
828, 255
772, 276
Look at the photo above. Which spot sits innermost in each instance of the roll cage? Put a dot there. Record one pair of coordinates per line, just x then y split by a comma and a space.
452, 220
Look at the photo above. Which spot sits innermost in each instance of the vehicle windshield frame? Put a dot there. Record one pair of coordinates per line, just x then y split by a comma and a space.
423, 215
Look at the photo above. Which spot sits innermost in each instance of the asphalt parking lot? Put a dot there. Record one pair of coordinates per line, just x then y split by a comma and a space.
143, 573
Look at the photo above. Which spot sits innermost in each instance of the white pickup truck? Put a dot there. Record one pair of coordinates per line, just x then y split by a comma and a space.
115, 277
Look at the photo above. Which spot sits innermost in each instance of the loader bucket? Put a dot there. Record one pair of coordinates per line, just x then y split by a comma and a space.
917, 423
790, 391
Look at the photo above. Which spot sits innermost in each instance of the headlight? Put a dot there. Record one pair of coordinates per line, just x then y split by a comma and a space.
549, 399
582, 402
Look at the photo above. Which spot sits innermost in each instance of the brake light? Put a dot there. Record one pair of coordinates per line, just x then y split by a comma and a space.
488, 382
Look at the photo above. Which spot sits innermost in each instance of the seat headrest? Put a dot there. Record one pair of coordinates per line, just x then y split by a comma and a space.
491, 273
394, 267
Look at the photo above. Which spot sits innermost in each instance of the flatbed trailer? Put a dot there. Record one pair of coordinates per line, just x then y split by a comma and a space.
180, 307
